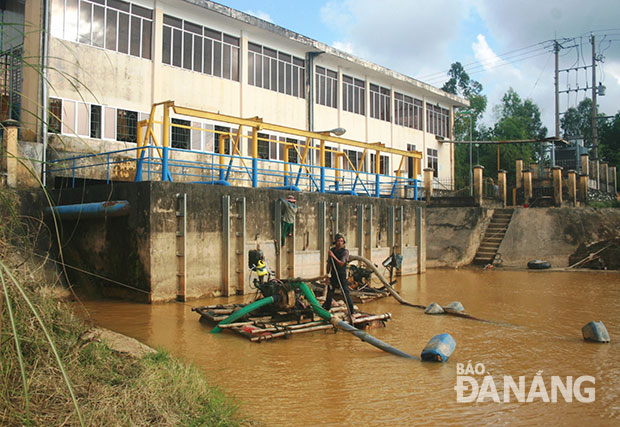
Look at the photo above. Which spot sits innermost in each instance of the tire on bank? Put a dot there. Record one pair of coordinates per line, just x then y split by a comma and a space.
537, 264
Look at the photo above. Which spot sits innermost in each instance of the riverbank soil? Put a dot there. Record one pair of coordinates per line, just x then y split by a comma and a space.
550, 234
554, 234
603, 255
56, 370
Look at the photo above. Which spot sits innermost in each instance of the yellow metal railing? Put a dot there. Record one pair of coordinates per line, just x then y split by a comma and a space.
147, 137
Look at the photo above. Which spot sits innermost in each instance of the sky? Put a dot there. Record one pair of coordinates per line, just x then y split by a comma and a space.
501, 43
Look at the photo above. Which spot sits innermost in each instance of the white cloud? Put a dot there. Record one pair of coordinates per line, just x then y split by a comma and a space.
397, 34
346, 47
260, 14
420, 37
484, 54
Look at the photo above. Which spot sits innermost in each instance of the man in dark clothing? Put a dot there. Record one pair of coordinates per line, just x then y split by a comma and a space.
289, 210
337, 265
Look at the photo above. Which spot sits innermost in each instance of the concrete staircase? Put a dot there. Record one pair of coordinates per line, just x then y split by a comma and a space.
493, 236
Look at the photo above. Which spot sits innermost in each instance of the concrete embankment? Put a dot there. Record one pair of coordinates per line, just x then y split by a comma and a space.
551, 234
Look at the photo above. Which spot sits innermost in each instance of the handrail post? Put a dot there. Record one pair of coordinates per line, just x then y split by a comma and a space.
166, 141
254, 157
286, 168
322, 183
377, 185
221, 138
337, 158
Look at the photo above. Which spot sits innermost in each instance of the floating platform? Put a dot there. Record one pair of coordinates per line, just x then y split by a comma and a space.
361, 295
284, 324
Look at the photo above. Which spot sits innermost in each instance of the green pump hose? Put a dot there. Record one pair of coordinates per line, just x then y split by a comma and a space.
242, 312
345, 326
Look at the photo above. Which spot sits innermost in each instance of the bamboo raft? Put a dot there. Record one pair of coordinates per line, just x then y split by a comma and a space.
360, 295
368, 295
283, 324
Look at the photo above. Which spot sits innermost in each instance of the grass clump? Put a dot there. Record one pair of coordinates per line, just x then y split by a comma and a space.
77, 381
606, 204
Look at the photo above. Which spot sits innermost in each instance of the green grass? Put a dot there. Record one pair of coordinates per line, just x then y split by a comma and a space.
103, 387
607, 204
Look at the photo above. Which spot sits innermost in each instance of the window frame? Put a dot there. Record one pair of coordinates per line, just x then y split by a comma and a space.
276, 71
326, 82
219, 53
380, 102
75, 20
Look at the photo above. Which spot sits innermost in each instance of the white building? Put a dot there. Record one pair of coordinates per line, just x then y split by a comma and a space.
108, 61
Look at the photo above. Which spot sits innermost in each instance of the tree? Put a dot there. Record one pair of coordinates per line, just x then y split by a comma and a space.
609, 144
461, 84
517, 119
577, 122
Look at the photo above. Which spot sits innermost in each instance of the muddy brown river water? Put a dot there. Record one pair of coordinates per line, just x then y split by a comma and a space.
327, 378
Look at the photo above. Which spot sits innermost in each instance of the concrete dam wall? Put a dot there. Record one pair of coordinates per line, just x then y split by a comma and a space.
194, 239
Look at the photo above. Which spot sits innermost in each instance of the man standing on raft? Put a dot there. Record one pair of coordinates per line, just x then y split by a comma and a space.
337, 260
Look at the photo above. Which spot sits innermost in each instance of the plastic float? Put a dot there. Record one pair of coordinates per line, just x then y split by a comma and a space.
596, 332
434, 308
439, 348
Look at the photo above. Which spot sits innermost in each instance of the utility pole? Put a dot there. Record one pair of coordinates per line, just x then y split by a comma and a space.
594, 112
556, 50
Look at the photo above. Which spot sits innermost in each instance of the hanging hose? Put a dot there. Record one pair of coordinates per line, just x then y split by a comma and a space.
326, 315
389, 287
400, 299
242, 312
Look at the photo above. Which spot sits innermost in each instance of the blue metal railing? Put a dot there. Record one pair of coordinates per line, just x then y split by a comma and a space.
172, 164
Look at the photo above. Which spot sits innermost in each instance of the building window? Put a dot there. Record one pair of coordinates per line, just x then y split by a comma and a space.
437, 120
329, 156
293, 156
54, 119
407, 111
180, 136
126, 125
355, 161
353, 95
380, 102
113, 24
277, 71
263, 146
326, 87
432, 160
95, 121
222, 133
411, 172
194, 47
384, 164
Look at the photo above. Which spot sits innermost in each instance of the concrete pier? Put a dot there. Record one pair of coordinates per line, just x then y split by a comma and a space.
165, 251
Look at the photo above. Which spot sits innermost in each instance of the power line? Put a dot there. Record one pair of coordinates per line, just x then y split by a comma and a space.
481, 68
518, 55
479, 62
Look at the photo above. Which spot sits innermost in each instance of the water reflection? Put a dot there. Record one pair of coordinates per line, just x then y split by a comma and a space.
334, 378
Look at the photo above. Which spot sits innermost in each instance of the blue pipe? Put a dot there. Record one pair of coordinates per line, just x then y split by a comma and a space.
254, 173
90, 210
164, 165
